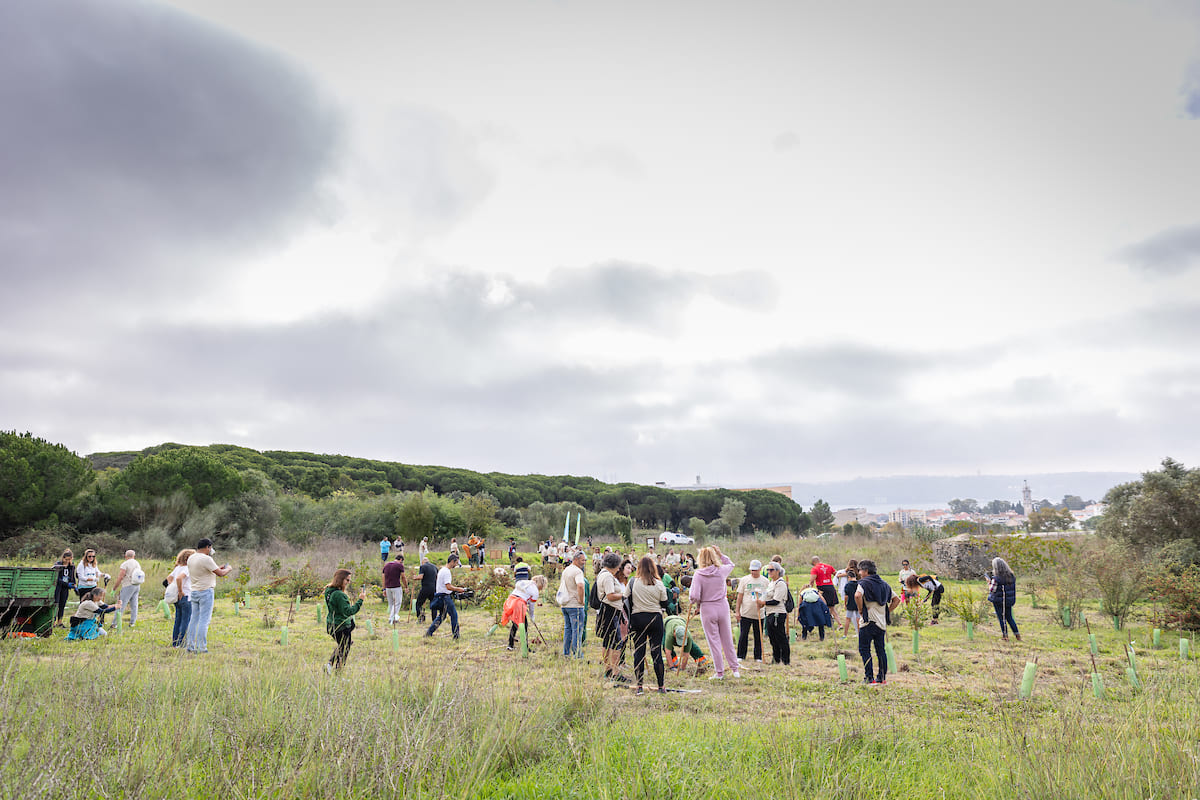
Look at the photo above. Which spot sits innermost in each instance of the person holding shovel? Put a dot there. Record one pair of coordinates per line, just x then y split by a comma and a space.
676, 636
519, 607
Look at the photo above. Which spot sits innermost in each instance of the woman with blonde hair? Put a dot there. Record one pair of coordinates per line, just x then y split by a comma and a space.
648, 597
340, 620
179, 587
708, 595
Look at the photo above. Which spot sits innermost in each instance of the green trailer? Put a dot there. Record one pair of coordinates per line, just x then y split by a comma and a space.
27, 599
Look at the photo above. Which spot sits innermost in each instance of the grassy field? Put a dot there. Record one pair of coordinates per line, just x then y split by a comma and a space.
127, 716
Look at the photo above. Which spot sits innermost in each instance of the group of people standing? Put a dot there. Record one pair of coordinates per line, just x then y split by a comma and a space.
190, 589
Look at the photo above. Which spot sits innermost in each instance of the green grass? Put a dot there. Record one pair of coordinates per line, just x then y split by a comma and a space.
127, 716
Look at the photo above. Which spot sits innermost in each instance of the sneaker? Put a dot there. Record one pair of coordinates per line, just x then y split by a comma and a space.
716, 677
661, 690
639, 691
737, 674
509, 648
1017, 635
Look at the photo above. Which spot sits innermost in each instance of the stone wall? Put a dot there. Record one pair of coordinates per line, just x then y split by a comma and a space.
962, 557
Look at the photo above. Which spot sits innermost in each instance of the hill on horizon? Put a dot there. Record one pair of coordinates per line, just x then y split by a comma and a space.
921, 490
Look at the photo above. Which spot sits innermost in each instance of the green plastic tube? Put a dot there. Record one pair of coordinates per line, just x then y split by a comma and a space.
1066, 617
1157, 638
118, 621
283, 636
842, 673
970, 631
524, 641
165, 608
492, 629
371, 628
891, 657
916, 641
236, 611
1133, 678
1116, 623
1092, 643
395, 641
1097, 686
1027, 680
320, 615
1184, 647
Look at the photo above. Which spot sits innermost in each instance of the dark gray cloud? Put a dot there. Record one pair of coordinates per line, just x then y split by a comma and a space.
137, 143
1170, 252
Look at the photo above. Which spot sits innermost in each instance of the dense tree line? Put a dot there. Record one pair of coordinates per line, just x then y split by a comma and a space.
172, 492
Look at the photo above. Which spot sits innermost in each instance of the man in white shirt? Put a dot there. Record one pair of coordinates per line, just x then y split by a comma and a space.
129, 582
443, 600
571, 591
203, 573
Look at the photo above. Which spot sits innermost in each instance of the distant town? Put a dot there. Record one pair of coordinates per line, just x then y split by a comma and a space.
1072, 512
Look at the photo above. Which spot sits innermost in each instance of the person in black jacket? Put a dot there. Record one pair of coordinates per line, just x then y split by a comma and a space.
428, 574
1002, 591
64, 584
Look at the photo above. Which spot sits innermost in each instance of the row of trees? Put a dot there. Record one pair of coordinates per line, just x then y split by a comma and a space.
1070, 502
173, 493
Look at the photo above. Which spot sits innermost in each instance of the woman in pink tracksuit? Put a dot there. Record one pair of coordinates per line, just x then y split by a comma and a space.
708, 593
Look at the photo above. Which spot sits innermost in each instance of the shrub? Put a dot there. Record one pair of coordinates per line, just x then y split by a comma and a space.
1120, 579
37, 544
1180, 596
303, 582
968, 604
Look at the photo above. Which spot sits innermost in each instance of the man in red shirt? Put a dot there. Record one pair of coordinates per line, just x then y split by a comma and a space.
822, 578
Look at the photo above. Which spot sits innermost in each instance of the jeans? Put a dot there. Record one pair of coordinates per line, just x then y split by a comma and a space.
872, 634
202, 609
183, 613
1004, 614
442, 605
573, 632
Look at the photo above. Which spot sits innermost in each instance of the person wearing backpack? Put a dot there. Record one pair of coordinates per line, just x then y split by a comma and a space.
129, 581
813, 613
774, 606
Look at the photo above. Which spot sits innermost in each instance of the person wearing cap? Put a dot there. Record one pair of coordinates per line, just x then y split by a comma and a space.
746, 611
423, 550
572, 597
443, 600
676, 636
203, 573
774, 605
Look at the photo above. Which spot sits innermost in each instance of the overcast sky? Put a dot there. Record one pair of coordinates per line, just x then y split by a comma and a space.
755, 241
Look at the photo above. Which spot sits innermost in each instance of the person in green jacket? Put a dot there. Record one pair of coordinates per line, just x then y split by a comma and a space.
677, 637
339, 621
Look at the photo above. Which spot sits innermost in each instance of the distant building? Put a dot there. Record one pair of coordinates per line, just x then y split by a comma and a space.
1026, 499
907, 516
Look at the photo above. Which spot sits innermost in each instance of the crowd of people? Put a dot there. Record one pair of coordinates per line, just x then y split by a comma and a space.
638, 598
